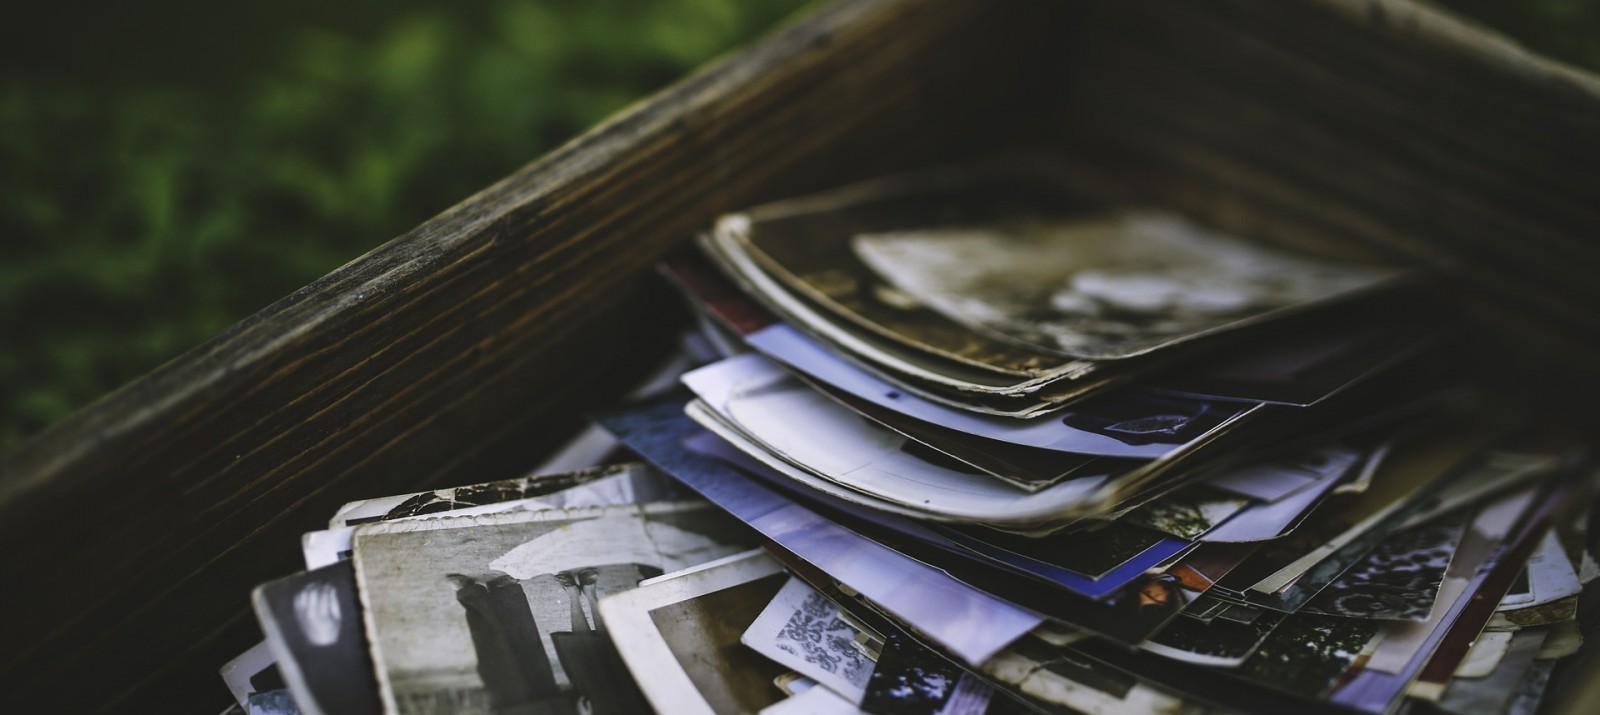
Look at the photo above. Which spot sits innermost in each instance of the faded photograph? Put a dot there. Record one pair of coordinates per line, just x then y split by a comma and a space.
1104, 288
497, 613
829, 275
703, 635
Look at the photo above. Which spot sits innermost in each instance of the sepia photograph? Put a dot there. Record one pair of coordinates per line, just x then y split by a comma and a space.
820, 268
1104, 287
882, 351
680, 637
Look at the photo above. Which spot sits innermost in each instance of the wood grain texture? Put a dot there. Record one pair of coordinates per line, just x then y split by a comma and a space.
456, 353
1380, 125
463, 350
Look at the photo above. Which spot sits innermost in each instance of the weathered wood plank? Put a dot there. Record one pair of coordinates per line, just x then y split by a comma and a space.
458, 352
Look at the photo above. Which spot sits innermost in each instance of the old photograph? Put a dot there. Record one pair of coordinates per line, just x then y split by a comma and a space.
620, 479
628, 483
801, 629
1398, 580
826, 272
496, 612
680, 636
313, 626
1102, 287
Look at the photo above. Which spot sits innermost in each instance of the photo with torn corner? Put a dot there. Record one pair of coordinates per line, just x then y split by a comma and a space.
498, 612
624, 479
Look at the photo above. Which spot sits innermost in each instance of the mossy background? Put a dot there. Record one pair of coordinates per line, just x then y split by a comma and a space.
170, 167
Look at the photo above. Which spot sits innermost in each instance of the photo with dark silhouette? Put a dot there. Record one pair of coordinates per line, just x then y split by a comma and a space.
498, 613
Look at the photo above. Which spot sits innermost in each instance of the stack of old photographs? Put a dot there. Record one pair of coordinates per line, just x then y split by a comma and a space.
981, 440
1091, 456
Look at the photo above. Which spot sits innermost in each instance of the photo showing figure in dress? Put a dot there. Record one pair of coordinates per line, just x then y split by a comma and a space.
579, 672
498, 614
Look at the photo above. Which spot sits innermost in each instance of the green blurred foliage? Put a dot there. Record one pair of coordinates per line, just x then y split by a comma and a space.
141, 216
175, 167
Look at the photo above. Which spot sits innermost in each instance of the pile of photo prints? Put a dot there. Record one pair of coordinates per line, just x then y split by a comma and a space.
981, 440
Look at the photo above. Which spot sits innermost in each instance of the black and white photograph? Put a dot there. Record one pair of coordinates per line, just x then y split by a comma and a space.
801, 629
627, 483
1306, 655
1398, 580
314, 628
912, 680
679, 636
495, 612
800, 244
1551, 576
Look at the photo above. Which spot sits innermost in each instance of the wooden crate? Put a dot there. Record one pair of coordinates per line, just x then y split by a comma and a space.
464, 349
